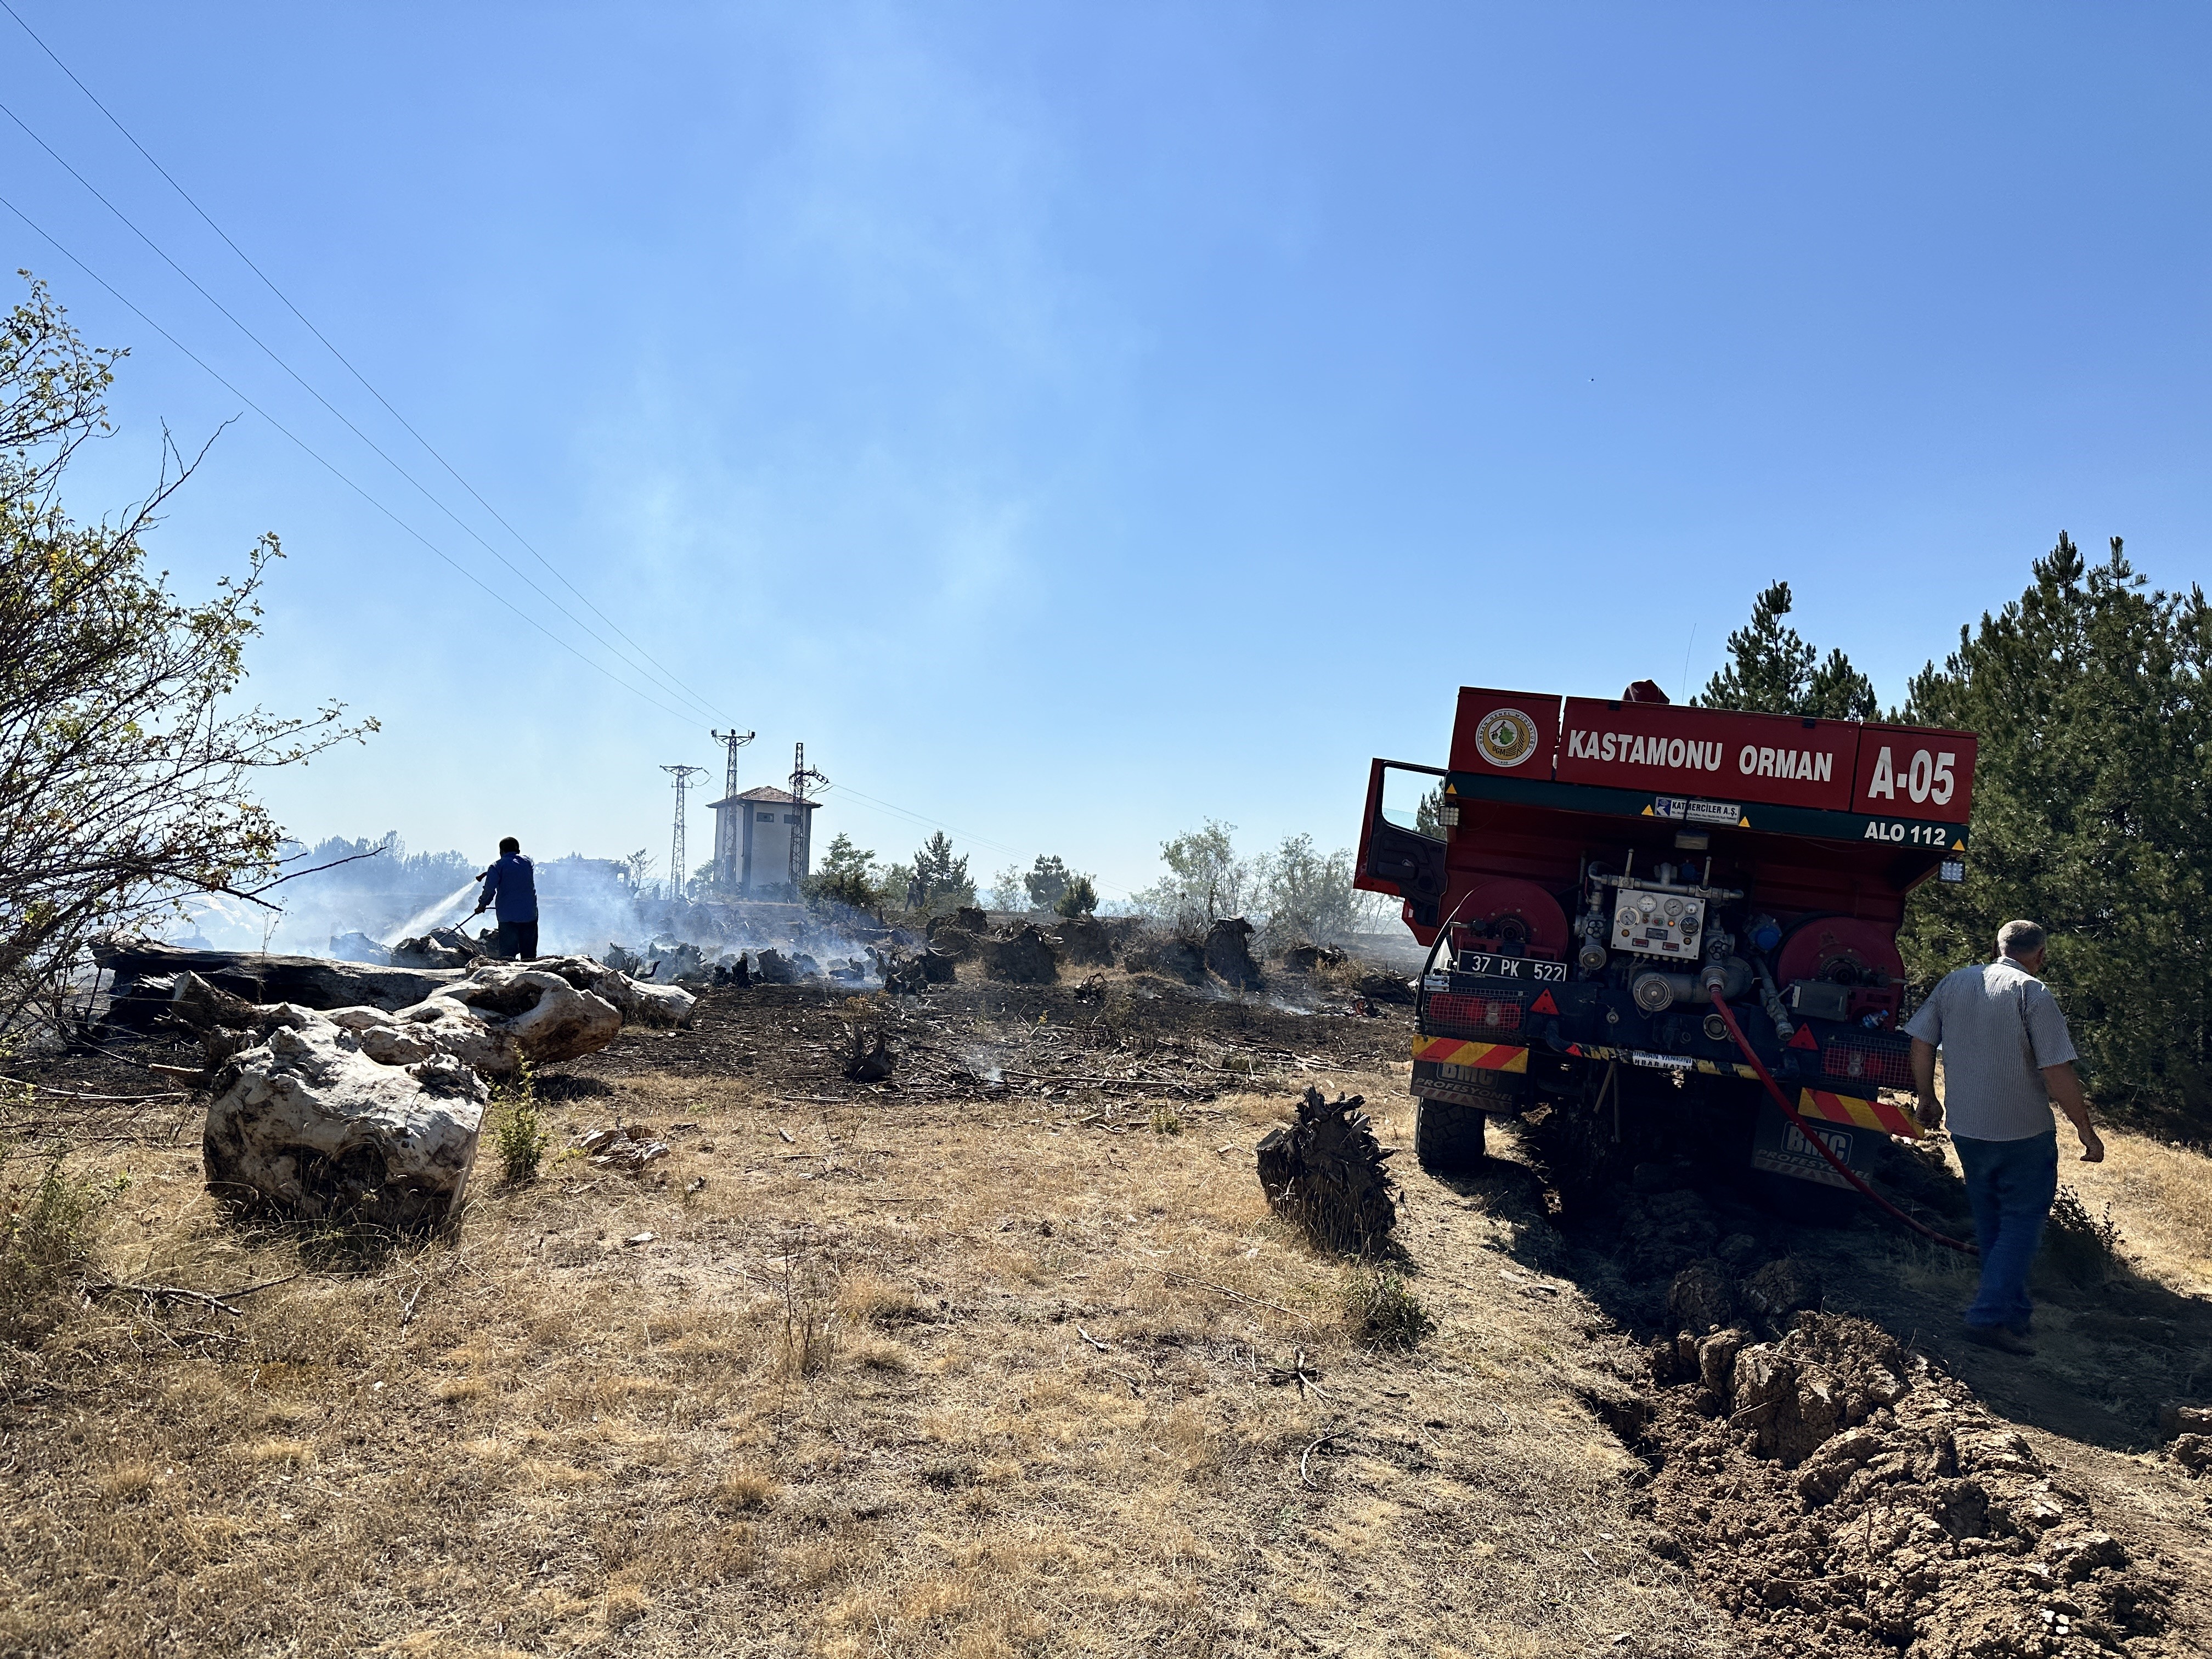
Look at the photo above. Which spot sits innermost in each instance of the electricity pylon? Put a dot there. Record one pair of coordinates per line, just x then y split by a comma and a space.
678, 880
733, 741
801, 831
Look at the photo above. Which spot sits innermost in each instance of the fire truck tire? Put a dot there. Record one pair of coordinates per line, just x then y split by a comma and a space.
1449, 1137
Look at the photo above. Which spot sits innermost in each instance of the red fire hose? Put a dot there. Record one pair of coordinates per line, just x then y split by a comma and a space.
1727, 1019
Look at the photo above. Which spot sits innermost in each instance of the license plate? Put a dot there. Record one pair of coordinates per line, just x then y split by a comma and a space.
1523, 970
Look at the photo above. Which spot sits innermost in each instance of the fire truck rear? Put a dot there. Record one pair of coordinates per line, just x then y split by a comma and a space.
1631, 906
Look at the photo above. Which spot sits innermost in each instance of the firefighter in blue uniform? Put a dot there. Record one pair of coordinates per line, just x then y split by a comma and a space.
512, 886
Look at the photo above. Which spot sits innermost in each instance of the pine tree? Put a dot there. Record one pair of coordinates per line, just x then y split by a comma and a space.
1045, 882
942, 877
2093, 815
1773, 671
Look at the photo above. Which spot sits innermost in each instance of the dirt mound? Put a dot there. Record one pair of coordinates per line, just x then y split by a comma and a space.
441, 947
1384, 987
968, 919
1169, 957
954, 944
1028, 957
1854, 1500
1085, 942
1661, 1233
905, 975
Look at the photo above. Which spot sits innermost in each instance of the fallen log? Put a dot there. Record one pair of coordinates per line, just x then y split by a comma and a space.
305, 982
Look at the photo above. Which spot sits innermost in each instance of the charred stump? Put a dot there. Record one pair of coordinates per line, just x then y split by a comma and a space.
1229, 954
1328, 1174
869, 1060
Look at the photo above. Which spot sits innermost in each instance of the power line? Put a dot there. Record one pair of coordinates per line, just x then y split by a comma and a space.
328, 466
648, 665
647, 668
286, 300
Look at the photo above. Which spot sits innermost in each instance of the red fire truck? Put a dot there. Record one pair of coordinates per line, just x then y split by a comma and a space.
1631, 906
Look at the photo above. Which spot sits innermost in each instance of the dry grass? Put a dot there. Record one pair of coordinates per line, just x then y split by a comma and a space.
2161, 1197
913, 1381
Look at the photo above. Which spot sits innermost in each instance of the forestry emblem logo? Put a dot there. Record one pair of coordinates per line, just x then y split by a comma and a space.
1506, 736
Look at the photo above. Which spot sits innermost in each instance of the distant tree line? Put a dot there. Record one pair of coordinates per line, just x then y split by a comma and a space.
2092, 804
935, 880
1294, 892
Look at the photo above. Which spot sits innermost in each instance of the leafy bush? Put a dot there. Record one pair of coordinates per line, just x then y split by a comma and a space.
131, 754
1046, 882
848, 876
2082, 1244
1381, 1311
937, 881
1080, 899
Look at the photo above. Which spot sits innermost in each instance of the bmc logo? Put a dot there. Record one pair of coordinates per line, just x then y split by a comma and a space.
1794, 1143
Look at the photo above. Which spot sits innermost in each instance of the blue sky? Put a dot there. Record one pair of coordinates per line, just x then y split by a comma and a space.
1074, 423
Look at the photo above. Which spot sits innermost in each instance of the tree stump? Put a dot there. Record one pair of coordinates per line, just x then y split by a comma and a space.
1328, 1174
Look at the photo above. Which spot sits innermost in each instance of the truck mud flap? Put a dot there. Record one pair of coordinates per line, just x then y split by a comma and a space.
1780, 1147
1490, 1076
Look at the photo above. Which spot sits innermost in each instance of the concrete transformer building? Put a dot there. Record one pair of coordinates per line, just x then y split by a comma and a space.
753, 835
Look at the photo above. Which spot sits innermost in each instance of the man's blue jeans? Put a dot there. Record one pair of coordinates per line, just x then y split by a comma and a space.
2010, 1183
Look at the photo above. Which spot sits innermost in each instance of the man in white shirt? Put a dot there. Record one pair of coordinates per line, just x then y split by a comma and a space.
2006, 1058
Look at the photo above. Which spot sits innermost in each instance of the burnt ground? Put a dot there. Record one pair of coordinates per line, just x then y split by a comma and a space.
1133, 1035
1813, 1451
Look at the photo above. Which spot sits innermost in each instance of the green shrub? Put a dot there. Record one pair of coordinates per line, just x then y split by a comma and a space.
1381, 1311
519, 1129
1165, 1121
1080, 898
45, 1235
2083, 1245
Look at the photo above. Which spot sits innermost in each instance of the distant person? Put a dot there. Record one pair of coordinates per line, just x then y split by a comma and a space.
512, 883
2006, 1058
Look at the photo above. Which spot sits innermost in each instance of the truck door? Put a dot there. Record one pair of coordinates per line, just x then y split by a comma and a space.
1401, 846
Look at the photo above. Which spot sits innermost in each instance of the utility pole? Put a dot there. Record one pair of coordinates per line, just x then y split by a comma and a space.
801, 776
677, 879
733, 740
